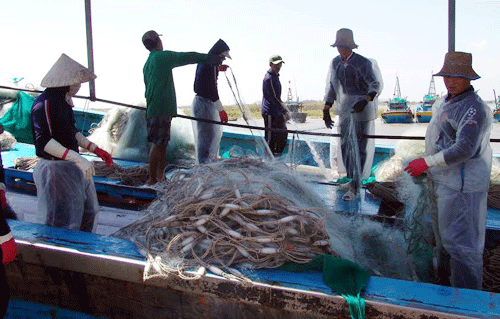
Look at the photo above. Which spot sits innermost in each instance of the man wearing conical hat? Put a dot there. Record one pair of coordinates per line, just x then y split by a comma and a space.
457, 163
353, 84
63, 178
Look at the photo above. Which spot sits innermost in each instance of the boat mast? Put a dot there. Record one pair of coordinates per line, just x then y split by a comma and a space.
432, 87
90, 48
397, 90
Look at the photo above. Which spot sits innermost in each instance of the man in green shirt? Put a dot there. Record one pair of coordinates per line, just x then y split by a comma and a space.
160, 97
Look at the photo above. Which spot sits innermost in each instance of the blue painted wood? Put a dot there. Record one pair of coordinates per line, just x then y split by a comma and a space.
396, 292
20, 309
86, 119
81, 241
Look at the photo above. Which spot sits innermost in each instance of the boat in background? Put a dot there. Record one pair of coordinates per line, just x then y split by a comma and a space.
496, 110
295, 107
423, 111
398, 110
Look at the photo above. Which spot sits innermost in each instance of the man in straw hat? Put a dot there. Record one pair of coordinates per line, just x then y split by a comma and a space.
354, 82
458, 165
63, 178
160, 97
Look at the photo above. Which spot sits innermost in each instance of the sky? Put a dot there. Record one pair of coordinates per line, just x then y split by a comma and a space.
407, 38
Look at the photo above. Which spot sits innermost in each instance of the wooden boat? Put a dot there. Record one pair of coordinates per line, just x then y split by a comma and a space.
496, 109
103, 276
398, 110
56, 265
423, 111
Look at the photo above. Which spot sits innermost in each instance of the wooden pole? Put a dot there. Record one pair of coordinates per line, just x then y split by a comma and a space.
90, 48
451, 25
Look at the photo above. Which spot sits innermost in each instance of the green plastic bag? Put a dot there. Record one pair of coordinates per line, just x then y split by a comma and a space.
345, 277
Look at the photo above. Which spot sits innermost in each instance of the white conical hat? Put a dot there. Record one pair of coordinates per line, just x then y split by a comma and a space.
66, 72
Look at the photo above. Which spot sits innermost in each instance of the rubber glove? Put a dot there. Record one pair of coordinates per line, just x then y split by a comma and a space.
104, 156
9, 251
223, 116
359, 106
416, 167
223, 67
215, 59
327, 118
3, 198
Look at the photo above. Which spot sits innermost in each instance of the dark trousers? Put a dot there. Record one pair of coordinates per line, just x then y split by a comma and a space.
354, 148
275, 140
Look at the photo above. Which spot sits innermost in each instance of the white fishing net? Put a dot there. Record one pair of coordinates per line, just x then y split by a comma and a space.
248, 213
123, 133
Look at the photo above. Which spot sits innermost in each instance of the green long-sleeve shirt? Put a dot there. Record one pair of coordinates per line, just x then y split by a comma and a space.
160, 90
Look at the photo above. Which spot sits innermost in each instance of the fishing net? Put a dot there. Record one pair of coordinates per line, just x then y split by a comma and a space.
247, 213
237, 211
123, 133
7, 141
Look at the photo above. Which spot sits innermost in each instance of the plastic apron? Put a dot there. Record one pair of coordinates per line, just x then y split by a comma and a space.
65, 198
207, 136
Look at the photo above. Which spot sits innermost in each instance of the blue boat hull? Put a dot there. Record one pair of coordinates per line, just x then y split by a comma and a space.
397, 118
102, 276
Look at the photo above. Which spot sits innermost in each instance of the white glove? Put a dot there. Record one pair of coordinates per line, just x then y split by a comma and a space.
84, 142
54, 148
85, 166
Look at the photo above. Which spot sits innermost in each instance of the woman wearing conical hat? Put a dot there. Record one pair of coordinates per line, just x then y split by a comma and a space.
65, 188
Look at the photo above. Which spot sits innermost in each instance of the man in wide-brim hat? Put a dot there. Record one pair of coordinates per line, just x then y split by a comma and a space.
353, 82
63, 178
458, 163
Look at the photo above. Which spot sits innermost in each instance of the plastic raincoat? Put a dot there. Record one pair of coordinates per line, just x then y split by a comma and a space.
350, 81
459, 133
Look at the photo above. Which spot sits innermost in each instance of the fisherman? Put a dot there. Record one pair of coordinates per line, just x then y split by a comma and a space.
273, 111
65, 189
354, 82
207, 105
160, 97
457, 163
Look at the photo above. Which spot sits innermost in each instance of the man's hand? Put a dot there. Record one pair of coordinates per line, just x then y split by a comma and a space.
359, 106
223, 67
104, 156
327, 118
223, 116
416, 167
